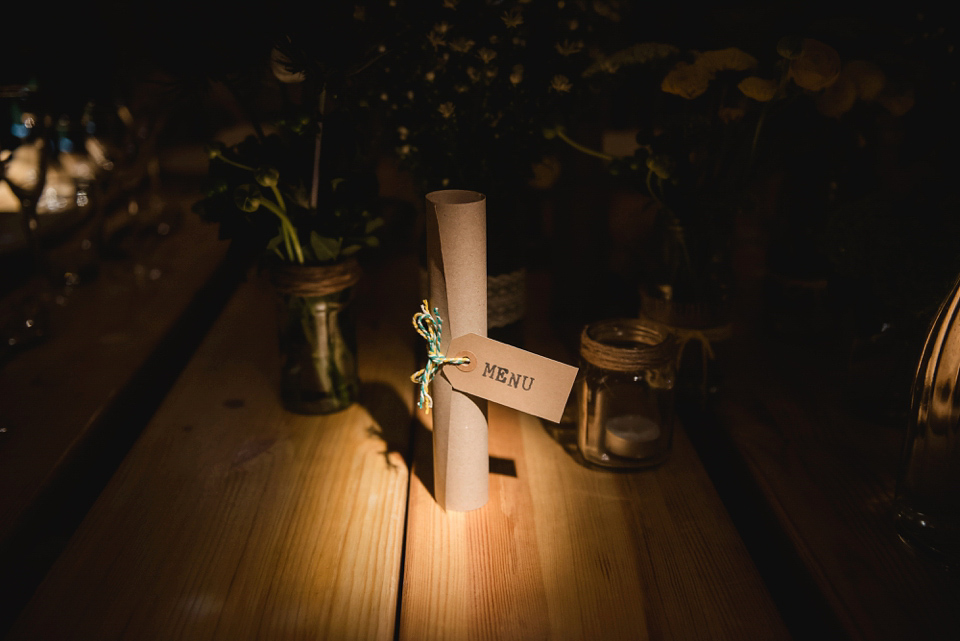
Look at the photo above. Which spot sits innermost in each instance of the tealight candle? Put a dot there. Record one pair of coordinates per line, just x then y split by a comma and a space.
632, 436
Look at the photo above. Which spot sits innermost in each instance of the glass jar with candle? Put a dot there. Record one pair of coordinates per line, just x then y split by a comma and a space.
625, 393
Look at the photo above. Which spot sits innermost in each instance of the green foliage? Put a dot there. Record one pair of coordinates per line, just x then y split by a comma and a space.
259, 192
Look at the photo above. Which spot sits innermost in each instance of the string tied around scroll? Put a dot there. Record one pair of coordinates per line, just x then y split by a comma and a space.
430, 326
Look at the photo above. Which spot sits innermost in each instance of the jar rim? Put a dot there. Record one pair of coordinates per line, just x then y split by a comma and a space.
627, 344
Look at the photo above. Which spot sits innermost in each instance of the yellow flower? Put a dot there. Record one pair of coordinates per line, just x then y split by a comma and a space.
731, 114
867, 77
898, 105
516, 76
486, 55
686, 80
817, 66
512, 18
446, 109
545, 173
462, 45
729, 59
473, 74
436, 39
450, 4
568, 48
561, 83
760, 89
838, 98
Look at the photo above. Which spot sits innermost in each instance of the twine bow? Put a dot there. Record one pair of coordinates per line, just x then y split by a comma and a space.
430, 326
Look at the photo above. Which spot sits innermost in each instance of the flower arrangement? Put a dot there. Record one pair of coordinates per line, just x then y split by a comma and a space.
478, 81
302, 188
259, 190
709, 123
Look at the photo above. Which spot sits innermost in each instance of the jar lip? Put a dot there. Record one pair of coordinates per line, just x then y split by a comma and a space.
627, 344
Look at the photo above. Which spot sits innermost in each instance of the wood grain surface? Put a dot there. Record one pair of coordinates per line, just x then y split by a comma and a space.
233, 519
54, 393
827, 470
566, 552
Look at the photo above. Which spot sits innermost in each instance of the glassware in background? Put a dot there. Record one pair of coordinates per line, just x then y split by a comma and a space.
927, 504
626, 393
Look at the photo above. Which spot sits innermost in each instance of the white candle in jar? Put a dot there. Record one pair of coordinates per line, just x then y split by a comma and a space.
631, 436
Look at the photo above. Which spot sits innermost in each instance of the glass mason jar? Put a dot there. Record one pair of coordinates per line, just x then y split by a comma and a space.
927, 504
318, 345
625, 393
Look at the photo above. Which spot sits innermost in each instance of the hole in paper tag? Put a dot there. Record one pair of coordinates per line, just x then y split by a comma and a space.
511, 376
467, 367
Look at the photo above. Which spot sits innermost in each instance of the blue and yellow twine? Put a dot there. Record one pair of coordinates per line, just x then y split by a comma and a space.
430, 326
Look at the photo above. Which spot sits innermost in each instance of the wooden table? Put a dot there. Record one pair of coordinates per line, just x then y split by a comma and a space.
232, 519
71, 406
826, 470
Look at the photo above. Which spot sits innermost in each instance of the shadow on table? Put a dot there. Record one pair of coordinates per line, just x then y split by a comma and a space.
391, 418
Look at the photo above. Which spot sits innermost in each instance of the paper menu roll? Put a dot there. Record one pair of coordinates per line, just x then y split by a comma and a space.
457, 272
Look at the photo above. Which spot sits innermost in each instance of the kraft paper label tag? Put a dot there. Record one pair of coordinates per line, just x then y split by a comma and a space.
510, 376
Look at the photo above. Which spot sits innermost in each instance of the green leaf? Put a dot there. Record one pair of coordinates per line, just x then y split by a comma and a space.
275, 242
349, 250
373, 225
372, 241
325, 249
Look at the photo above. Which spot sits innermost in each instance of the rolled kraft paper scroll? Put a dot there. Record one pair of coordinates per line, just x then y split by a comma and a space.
457, 271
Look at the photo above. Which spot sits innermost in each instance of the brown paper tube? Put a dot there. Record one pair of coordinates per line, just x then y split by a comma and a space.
457, 269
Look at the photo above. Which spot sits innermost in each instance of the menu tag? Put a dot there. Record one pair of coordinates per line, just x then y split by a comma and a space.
510, 376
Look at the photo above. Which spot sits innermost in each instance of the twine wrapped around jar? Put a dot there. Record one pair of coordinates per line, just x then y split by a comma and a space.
627, 345
314, 280
318, 364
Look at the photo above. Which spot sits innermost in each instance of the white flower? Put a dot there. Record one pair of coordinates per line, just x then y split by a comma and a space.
512, 18
462, 45
430, 76
486, 55
402, 132
568, 48
446, 109
283, 68
561, 84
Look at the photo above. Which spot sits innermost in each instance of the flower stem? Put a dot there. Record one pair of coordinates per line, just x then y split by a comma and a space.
276, 192
650, 188
587, 150
290, 234
234, 163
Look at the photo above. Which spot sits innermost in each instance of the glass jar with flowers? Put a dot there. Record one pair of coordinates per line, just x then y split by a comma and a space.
302, 193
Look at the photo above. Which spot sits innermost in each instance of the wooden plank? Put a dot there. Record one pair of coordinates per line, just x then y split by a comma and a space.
232, 519
53, 394
828, 474
566, 552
